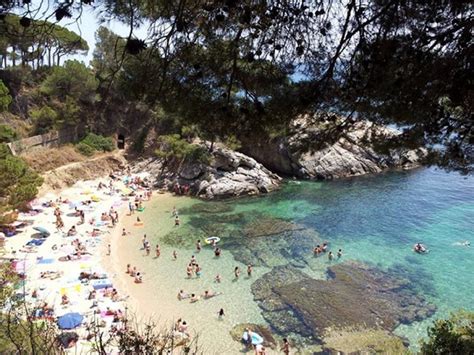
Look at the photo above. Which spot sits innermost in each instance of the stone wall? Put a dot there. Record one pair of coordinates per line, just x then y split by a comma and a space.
50, 139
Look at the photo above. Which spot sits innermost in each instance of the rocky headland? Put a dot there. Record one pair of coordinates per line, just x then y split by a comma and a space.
315, 147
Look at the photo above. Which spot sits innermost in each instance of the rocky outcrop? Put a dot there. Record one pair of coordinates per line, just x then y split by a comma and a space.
315, 148
354, 297
228, 174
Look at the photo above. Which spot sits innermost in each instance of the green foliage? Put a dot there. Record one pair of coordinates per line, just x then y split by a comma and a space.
5, 98
73, 79
95, 143
7, 134
18, 183
44, 119
85, 149
173, 148
451, 336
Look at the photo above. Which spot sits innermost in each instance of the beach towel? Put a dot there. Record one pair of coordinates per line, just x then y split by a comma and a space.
45, 261
36, 242
102, 283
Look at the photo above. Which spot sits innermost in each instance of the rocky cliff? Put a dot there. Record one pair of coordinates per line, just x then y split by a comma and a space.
228, 174
309, 151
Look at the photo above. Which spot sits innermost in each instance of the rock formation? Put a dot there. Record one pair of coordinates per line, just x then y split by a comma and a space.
354, 297
308, 151
229, 174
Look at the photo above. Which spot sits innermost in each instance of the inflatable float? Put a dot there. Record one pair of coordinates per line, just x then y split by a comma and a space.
212, 240
420, 248
141, 209
256, 338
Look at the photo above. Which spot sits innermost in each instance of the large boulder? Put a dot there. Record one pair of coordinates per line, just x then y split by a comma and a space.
315, 148
228, 174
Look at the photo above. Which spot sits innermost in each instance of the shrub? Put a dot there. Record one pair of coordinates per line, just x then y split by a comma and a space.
18, 183
99, 143
451, 336
95, 143
44, 119
7, 134
85, 149
5, 98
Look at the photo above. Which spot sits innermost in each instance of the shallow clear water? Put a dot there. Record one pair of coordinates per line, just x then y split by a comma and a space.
373, 219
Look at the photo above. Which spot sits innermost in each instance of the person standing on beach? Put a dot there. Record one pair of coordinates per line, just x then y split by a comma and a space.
249, 270
157, 251
198, 246
189, 271
109, 250
147, 248
176, 221
286, 347
175, 255
144, 241
237, 272
130, 207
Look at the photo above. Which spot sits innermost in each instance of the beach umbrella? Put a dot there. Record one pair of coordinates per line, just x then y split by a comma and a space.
70, 320
43, 231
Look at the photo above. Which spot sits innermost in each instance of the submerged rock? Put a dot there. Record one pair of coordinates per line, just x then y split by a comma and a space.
351, 341
316, 148
266, 226
355, 296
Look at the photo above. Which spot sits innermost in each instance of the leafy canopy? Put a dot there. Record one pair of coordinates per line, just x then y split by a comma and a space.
451, 336
73, 80
18, 183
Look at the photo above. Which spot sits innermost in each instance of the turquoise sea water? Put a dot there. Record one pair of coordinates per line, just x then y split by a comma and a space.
374, 219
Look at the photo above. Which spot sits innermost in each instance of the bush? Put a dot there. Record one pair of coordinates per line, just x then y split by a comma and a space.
5, 98
99, 143
85, 149
451, 336
44, 119
18, 183
95, 143
7, 134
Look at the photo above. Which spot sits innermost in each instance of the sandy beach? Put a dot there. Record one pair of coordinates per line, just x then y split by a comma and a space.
156, 299
50, 261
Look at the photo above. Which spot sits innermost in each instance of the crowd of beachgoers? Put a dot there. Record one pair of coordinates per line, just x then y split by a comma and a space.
57, 246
